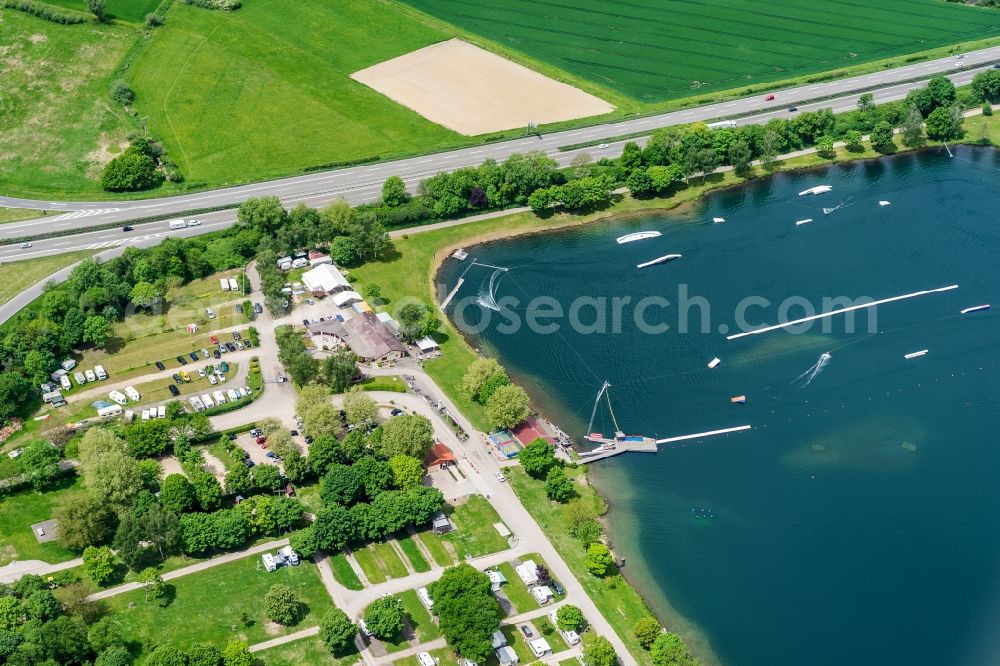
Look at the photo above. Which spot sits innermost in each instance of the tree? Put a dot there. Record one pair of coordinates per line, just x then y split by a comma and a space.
943, 124
467, 610
114, 656
131, 171
177, 493
393, 192
204, 655
145, 294
337, 369
912, 130
323, 452
84, 520
669, 650
986, 86
599, 559
99, 564
569, 618
360, 408
104, 634
558, 487
881, 135
507, 407
631, 156
599, 652
166, 654
384, 617
866, 103
238, 481
344, 250
412, 320
11, 613
207, 490
265, 214
13, 388
646, 631
537, 457
340, 485
42, 605
853, 140
152, 585
334, 527
39, 463
237, 653
480, 372
640, 183
96, 8
113, 476
267, 477
407, 471
770, 148
824, 146
162, 529
409, 434
942, 91
740, 157
336, 630
281, 605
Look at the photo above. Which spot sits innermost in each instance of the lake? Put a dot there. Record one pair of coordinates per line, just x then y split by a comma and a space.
857, 521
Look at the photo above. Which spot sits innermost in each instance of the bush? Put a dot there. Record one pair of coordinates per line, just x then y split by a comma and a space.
225, 5
131, 171
121, 93
154, 20
43, 12
987, 109
281, 605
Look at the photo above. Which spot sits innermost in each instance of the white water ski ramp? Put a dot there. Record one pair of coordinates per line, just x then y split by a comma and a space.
976, 308
699, 435
916, 354
659, 260
799, 223
823, 315
819, 189
637, 236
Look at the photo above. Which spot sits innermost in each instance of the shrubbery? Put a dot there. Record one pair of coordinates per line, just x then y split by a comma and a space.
133, 170
43, 12
225, 5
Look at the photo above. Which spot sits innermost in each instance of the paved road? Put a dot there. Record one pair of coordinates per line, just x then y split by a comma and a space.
363, 183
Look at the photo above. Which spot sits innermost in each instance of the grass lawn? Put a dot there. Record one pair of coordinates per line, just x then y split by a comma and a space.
309, 651
618, 601
392, 565
549, 632
20, 214
435, 547
517, 592
17, 276
651, 52
413, 554
442, 656
209, 80
59, 125
516, 640
20, 510
208, 603
384, 383
475, 535
369, 565
219, 450
344, 572
420, 618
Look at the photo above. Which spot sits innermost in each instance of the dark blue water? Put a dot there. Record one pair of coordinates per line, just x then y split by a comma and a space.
858, 522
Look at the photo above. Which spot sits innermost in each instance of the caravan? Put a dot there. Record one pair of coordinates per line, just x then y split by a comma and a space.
109, 411
99, 370
118, 397
224, 283
132, 393
207, 399
66, 383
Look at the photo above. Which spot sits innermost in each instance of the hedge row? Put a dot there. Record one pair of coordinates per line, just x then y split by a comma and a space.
43, 12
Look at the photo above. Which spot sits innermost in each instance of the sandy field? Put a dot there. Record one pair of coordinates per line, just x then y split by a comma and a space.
472, 91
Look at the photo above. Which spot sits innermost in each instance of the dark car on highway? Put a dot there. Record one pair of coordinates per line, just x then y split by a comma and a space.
160, 366
174, 391
182, 360
127, 227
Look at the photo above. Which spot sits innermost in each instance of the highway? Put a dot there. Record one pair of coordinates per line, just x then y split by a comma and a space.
363, 183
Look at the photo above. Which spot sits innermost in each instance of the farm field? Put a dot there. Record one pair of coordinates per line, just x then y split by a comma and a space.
17, 276
657, 51
59, 125
248, 94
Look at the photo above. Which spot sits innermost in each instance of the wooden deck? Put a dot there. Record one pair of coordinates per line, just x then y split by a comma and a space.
620, 448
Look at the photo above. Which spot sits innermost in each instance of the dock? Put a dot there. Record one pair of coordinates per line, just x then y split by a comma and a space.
602, 453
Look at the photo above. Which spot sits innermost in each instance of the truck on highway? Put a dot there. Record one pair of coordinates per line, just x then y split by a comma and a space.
729, 124
177, 224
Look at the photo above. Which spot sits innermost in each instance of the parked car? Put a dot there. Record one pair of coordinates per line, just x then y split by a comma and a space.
216, 354
224, 367
526, 630
214, 340
204, 352
239, 309
293, 433
249, 463
500, 477
310, 301
309, 439
256, 432
560, 590
212, 380
177, 378
231, 436
258, 308
230, 346
185, 376
194, 356
397, 412
160, 366
261, 440
236, 335
182, 360
305, 322
201, 373
239, 345
769, 98
174, 391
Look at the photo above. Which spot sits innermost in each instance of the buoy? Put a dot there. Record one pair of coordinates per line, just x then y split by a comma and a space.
718, 220
883, 203
738, 400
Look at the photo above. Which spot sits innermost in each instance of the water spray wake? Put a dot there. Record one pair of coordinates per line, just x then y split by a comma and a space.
816, 368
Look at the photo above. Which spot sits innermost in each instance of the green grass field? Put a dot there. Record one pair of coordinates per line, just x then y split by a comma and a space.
20, 214
251, 94
391, 563
413, 554
475, 535
309, 651
370, 565
17, 276
655, 51
208, 603
21, 510
420, 619
58, 124
344, 573
436, 548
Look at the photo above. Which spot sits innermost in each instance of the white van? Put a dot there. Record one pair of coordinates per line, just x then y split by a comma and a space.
210, 313
177, 224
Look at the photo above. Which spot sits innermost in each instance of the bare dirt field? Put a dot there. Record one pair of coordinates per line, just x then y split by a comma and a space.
472, 91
